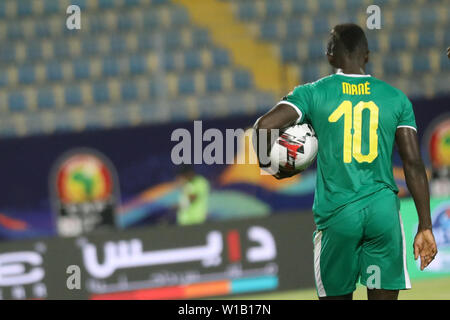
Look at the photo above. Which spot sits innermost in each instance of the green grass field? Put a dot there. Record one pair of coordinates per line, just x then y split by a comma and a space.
434, 289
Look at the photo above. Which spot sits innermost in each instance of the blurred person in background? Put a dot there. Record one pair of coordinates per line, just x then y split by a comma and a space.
193, 201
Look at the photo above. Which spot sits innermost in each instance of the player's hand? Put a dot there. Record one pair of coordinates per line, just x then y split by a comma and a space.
282, 174
448, 52
425, 247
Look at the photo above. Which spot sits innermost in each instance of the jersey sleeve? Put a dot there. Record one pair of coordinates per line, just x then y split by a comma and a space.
301, 99
407, 118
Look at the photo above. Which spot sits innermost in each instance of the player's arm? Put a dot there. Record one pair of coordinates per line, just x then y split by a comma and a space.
417, 182
279, 117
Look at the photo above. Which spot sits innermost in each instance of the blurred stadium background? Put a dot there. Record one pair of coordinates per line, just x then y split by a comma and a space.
85, 142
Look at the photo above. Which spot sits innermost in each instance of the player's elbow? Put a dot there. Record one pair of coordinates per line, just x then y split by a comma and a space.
264, 123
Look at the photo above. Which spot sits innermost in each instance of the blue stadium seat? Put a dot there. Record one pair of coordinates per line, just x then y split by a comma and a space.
24, 8
186, 84
220, 58
34, 51
169, 62
242, 80
16, 101
151, 20
2, 9
427, 39
100, 92
137, 64
126, 23
392, 65
421, 63
213, 81
269, 30
52, 7
128, 91
310, 73
294, 28
80, 3
15, 31
61, 49
54, 71
299, 7
192, 60
7, 53
106, 4
72, 95
131, 3
118, 44
274, 8
146, 42
403, 18
45, 99
81, 69
326, 5
3, 79
398, 41
321, 26
90, 47
42, 29
316, 49
247, 10
200, 38
26, 74
179, 17
110, 67
289, 52
172, 40
98, 26
428, 17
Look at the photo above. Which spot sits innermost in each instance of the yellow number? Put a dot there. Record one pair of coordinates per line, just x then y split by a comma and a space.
345, 109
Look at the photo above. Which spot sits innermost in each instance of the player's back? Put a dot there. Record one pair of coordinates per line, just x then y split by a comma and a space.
355, 118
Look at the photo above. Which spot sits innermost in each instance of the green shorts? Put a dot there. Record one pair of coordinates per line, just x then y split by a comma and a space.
368, 245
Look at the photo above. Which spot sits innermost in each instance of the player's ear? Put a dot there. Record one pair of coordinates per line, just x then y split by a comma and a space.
331, 60
366, 57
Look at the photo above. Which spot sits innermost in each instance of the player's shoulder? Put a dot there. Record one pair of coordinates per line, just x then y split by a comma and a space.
314, 85
388, 89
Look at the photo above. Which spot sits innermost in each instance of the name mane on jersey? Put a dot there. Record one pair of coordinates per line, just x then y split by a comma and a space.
355, 89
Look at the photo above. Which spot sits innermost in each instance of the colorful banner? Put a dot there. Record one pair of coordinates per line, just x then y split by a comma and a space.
203, 261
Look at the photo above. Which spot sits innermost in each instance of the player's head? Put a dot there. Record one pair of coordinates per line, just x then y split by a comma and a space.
186, 172
347, 44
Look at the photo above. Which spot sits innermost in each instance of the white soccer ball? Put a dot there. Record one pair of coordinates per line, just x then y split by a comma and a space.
295, 149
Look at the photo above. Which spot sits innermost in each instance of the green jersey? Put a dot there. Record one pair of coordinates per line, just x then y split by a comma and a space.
195, 211
355, 118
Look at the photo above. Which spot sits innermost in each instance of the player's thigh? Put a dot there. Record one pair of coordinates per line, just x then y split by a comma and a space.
383, 255
336, 256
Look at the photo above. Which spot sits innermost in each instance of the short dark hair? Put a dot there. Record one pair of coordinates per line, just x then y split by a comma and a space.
349, 36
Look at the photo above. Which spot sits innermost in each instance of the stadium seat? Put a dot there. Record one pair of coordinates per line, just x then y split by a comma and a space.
128, 91
45, 99
72, 95
100, 92
54, 71
16, 101
26, 74
81, 69
186, 84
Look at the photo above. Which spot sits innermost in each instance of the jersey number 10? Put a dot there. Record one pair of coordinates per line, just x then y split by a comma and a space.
353, 120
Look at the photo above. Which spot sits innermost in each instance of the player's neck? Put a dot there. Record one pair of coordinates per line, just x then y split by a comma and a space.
351, 70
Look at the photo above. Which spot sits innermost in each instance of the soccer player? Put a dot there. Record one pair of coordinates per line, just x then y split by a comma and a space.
357, 118
193, 201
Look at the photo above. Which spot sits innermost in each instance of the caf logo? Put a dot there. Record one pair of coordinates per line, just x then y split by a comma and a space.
84, 191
